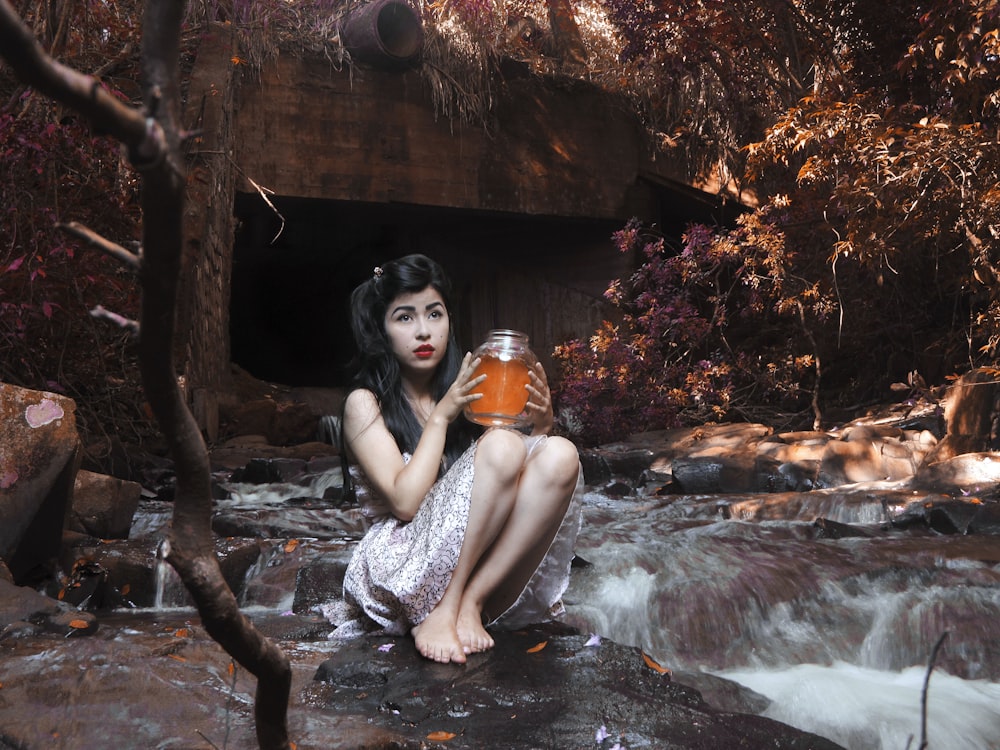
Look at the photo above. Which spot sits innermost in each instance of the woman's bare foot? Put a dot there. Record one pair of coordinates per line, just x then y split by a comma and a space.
437, 639
473, 636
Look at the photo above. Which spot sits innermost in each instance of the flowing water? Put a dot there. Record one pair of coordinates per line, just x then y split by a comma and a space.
833, 622
836, 632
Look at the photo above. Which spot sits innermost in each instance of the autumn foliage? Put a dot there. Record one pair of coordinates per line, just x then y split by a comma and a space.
866, 134
871, 257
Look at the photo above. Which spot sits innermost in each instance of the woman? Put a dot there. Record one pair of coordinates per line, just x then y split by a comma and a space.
462, 529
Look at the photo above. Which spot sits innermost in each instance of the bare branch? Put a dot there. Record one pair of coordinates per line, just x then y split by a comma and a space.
116, 251
923, 693
120, 320
33, 66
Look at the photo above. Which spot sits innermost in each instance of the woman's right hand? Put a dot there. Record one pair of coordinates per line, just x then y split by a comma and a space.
460, 394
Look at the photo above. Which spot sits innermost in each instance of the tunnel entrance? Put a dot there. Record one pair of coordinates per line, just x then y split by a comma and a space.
290, 285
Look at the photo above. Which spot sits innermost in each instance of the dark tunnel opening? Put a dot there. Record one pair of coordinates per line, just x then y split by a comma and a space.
292, 275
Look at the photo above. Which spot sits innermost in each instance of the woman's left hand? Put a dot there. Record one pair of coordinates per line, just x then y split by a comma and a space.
539, 408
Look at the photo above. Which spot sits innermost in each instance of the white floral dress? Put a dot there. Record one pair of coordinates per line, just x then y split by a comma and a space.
399, 571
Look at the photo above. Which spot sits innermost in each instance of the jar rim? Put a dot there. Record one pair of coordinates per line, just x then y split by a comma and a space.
506, 332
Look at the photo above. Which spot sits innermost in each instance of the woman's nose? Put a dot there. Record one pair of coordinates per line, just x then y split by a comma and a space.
423, 331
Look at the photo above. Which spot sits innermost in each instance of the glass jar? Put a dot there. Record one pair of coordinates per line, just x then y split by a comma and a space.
505, 359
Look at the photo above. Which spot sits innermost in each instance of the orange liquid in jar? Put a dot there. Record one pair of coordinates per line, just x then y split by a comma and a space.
504, 394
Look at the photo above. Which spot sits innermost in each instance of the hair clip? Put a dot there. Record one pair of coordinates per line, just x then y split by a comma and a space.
378, 272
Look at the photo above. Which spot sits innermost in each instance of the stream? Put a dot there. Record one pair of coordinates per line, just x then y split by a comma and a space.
836, 632
813, 600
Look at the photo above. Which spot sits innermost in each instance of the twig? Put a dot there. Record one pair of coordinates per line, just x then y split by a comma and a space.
923, 693
202, 735
116, 251
128, 324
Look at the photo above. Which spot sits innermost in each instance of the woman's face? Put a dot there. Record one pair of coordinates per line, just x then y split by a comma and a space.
417, 325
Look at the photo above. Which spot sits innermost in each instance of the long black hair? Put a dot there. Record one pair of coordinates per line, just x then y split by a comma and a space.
377, 367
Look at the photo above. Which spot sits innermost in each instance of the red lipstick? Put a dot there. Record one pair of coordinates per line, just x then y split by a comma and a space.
424, 351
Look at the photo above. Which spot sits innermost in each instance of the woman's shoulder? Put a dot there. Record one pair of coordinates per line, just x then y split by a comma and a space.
361, 402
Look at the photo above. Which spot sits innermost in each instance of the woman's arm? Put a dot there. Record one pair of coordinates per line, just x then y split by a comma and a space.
403, 485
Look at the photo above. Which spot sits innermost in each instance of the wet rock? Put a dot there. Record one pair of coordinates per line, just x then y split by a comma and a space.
103, 506
969, 472
543, 687
715, 470
39, 450
321, 580
132, 568
258, 471
970, 406
24, 612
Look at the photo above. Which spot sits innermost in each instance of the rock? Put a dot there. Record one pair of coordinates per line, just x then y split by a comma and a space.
849, 461
968, 412
39, 450
714, 470
24, 611
540, 687
968, 472
103, 506
128, 570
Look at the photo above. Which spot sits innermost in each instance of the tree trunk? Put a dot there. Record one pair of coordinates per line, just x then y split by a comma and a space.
153, 142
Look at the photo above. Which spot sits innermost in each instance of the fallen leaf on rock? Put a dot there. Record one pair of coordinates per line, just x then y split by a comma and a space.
291, 544
175, 656
441, 736
79, 624
654, 665
538, 647
126, 588
181, 633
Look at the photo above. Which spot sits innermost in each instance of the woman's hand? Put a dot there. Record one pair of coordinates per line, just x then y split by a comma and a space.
459, 394
539, 407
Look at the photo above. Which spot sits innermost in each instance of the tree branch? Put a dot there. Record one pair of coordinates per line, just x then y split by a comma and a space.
116, 251
153, 143
81, 92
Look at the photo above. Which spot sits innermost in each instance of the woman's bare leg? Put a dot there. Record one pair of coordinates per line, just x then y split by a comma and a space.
543, 496
498, 461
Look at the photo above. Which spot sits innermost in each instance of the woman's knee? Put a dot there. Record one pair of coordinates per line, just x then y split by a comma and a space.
559, 461
502, 451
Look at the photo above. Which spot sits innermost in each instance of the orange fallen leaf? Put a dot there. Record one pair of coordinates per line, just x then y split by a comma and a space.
654, 665
538, 647
175, 656
440, 736
61, 595
79, 624
232, 668
126, 588
291, 544
181, 633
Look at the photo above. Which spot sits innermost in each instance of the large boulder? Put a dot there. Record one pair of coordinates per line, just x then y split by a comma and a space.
103, 506
39, 449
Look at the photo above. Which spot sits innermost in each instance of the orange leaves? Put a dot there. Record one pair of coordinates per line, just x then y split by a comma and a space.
79, 624
290, 545
654, 665
537, 647
441, 736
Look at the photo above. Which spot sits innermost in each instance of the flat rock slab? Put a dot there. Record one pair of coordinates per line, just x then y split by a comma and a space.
537, 688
